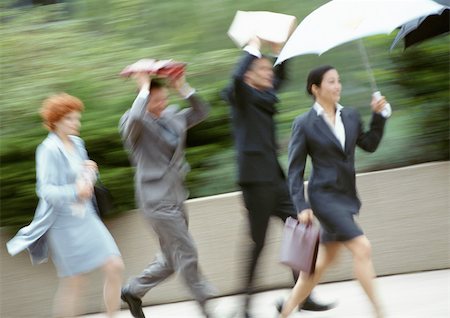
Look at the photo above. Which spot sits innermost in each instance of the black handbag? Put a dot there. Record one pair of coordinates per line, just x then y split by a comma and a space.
103, 200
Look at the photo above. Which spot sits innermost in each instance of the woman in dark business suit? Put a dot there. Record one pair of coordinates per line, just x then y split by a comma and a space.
329, 134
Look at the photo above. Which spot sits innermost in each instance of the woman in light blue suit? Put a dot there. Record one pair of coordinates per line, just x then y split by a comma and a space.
65, 224
329, 134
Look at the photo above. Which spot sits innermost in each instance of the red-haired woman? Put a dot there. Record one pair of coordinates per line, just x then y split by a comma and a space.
65, 222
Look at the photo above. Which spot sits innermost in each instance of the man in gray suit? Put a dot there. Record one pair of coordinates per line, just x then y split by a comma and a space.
155, 134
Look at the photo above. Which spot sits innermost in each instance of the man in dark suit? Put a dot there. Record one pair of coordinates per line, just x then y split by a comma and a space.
252, 96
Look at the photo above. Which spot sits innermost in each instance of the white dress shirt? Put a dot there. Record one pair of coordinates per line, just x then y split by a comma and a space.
337, 127
253, 51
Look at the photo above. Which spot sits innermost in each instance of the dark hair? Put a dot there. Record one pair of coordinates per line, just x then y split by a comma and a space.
157, 83
315, 77
263, 57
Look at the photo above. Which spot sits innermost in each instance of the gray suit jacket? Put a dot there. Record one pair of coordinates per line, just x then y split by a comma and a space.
157, 149
332, 181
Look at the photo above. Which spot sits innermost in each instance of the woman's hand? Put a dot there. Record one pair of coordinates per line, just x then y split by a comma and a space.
92, 165
86, 180
84, 189
378, 104
306, 216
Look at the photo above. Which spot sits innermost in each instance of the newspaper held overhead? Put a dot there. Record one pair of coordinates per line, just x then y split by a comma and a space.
269, 26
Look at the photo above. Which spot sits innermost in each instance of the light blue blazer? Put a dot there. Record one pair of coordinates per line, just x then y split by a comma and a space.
56, 190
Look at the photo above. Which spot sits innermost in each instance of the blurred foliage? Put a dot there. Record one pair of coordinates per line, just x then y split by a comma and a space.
80, 46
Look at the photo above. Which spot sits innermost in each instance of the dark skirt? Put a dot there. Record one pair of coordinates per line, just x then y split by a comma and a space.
336, 212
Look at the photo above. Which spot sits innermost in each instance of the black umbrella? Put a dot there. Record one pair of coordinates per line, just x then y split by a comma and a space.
421, 29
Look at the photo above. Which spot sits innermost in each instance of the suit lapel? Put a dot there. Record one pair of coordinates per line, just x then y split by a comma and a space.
323, 127
53, 138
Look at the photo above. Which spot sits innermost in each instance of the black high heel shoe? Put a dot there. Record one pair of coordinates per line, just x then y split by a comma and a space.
279, 305
311, 305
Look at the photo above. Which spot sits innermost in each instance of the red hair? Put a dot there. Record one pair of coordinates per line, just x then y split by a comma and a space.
57, 106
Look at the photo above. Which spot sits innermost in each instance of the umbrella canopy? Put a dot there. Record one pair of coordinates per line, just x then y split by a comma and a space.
418, 30
341, 21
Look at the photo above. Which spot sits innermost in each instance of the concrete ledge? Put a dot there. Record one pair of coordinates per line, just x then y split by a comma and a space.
405, 214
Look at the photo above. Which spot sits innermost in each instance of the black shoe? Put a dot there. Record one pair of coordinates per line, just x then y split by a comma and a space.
247, 300
311, 305
134, 303
279, 305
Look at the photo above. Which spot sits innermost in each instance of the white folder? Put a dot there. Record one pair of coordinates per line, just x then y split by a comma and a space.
270, 26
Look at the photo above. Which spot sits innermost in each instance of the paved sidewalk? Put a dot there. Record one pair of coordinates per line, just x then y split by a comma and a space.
416, 295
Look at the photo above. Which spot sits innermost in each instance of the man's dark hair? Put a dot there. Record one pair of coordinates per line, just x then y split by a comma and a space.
263, 57
157, 83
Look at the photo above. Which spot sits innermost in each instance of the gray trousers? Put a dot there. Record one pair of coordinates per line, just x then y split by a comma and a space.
178, 254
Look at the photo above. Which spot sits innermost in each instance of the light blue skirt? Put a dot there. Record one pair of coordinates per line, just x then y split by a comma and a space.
79, 244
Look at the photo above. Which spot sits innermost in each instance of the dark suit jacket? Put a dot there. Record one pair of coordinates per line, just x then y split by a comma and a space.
332, 181
252, 114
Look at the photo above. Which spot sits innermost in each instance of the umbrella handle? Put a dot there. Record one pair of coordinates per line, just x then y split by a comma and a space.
387, 110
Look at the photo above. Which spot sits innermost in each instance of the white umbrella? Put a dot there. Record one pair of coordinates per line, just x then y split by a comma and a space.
341, 21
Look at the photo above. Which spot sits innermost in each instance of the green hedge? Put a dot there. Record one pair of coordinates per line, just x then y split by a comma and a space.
81, 46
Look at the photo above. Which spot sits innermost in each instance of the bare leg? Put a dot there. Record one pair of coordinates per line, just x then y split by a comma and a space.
113, 270
305, 284
364, 271
67, 296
